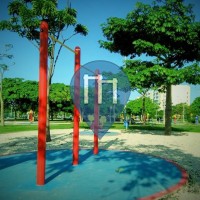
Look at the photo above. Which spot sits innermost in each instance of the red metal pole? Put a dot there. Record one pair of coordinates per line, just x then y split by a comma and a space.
41, 154
76, 111
96, 116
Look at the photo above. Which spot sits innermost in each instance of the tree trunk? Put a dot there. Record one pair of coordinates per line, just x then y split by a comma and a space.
1, 99
15, 114
81, 114
168, 111
50, 74
143, 110
48, 135
52, 116
2, 110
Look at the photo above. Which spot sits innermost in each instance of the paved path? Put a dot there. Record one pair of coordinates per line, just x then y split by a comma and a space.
183, 148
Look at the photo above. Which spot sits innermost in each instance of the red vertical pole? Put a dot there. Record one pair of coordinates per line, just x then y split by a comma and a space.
96, 115
41, 154
76, 111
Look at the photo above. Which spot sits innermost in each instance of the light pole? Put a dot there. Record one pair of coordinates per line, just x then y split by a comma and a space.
110, 114
3, 68
163, 111
183, 112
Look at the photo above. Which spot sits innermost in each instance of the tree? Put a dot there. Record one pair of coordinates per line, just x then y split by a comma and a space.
60, 98
26, 16
135, 107
195, 107
11, 93
141, 79
3, 68
182, 111
166, 31
21, 95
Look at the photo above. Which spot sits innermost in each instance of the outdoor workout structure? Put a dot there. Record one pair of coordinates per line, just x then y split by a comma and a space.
119, 175
42, 111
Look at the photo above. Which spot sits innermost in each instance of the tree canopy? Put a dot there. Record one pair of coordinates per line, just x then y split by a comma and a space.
25, 19
19, 94
195, 107
60, 99
22, 95
167, 32
166, 29
135, 107
3, 68
26, 16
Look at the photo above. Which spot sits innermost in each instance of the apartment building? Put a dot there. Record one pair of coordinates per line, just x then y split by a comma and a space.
180, 94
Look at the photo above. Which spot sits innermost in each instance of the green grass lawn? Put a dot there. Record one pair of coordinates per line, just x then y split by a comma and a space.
187, 127
31, 127
175, 127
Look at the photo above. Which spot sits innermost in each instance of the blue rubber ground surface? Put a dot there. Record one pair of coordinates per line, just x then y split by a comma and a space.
110, 175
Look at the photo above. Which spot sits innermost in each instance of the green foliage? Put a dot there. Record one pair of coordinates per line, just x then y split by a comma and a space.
59, 92
195, 107
138, 74
19, 94
81, 29
60, 99
4, 56
135, 107
176, 128
26, 17
165, 30
22, 95
191, 74
181, 111
145, 75
3, 68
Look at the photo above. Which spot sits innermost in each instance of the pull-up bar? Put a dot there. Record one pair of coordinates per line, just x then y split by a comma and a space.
53, 38
42, 111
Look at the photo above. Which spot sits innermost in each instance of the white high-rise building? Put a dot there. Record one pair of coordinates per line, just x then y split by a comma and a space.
180, 94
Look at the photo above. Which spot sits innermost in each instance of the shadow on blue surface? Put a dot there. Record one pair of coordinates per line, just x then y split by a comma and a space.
15, 159
59, 167
108, 175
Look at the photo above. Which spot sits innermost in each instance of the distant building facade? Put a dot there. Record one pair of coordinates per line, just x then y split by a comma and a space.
180, 94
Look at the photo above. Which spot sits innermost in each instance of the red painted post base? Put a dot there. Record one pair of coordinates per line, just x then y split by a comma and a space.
96, 115
96, 148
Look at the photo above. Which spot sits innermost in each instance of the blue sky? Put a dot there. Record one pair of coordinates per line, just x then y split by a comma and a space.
91, 13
